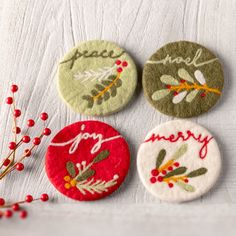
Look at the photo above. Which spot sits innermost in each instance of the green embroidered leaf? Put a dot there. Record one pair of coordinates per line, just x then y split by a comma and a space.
99, 87
177, 171
198, 172
94, 92
106, 82
106, 96
113, 91
99, 100
191, 95
88, 173
70, 166
89, 99
168, 79
101, 156
159, 94
180, 152
118, 83
183, 74
160, 158
111, 77
186, 187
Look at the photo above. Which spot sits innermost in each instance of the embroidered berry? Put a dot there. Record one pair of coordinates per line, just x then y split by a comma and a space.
176, 164
182, 81
30, 123
160, 178
12, 145
186, 180
23, 214
119, 69
29, 198
170, 168
175, 93
8, 213
27, 152
14, 88
2, 202
16, 130
168, 86
124, 63
44, 116
203, 95
118, 62
170, 185
15, 207
153, 180
155, 172
6, 162
164, 172
9, 100
20, 166
26, 139
44, 197
36, 141
17, 113
46, 131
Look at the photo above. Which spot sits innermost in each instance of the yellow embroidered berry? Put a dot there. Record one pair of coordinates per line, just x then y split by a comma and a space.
67, 178
67, 186
73, 183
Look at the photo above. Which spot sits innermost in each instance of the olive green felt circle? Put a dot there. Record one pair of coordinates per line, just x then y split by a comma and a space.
97, 78
183, 79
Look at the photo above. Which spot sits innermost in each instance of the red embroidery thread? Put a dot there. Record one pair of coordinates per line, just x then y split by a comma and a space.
180, 136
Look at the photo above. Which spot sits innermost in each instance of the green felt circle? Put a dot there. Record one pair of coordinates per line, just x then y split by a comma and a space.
176, 70
88, 80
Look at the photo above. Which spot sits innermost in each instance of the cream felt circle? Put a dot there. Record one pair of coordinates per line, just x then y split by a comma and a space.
178, 161
97, 78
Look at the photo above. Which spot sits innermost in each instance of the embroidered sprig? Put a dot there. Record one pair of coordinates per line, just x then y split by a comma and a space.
186, 88
81, 176
172, 173
107, 88
13, 161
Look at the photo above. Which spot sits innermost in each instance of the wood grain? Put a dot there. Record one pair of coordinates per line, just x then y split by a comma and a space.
36, 34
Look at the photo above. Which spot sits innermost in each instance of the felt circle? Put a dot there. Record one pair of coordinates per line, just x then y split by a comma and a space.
178, 161
97, 78
183, 79
87, 160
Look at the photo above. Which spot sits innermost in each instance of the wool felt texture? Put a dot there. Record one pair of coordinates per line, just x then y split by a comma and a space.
183, 79
178, 161
87, 160
97, 78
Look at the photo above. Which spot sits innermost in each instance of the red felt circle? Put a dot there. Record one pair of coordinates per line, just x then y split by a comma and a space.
87, 134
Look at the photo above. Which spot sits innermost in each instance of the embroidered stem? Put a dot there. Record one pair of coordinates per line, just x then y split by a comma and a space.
174, 179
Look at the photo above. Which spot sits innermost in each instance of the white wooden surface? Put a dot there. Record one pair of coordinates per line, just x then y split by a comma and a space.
35, 34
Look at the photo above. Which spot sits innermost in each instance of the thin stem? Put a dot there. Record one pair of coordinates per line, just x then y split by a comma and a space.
20, 202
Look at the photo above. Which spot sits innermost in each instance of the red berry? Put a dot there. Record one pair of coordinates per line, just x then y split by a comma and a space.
124, 63
17, 112
182, 81
118, 62
203, 95
14, 88
46, 131
12, 145
2, 202
27, 152
23, 214
186, 180
175, 93
176, 164
160, 178
44, 116
119, 69
153, 180
168, 86
164, 172
15, 207
30, 123
29, 198
16, 130
8, 213
44, 197
9, 100
36, 141
171, 185
6, 162
155, 172
170, 168
26, 139
20, 166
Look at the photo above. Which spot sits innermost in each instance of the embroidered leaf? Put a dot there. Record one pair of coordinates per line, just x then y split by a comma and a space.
191, 95
106, 96
89, 99
106, 82
178, 98
99, 100
168, 79
198, 172
118, 83
111, 78
101, 156
199, 77
183, 74
177, 171
160, 158
180, 152
88, 173
94, 92
113, 91
70, 166
99, 87
159, 94
186, 187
